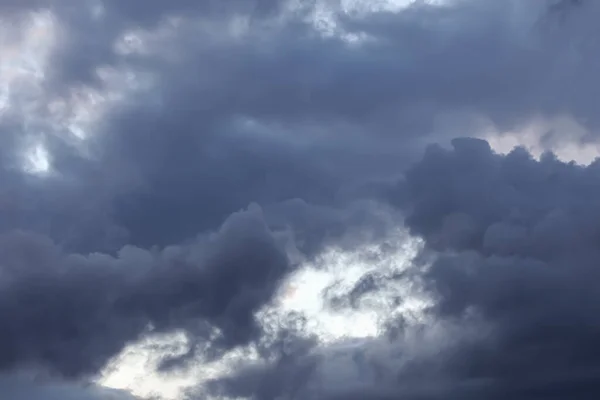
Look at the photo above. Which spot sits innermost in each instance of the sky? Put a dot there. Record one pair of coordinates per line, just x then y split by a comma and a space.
283, 199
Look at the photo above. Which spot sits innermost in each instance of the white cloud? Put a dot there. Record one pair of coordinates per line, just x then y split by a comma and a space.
37, 159
336, 273
561, 135
304, 293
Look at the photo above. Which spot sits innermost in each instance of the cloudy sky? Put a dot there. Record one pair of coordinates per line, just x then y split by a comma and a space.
320, 199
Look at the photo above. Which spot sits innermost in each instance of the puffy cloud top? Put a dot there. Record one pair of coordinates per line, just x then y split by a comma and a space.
174, 167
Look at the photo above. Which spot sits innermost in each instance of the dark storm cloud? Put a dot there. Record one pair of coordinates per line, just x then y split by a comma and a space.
498, 60
514, 245
281, 112
328, 114
504, 60
288, 376
90, 28
154, 10
523, 241
198, 159
470, 198
74, 209
18, 387
195, 168
71, 313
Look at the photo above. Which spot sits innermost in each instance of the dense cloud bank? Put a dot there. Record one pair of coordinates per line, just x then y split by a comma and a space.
510, 265
219, 112
165, 166
70, 313
23, 387
519, 243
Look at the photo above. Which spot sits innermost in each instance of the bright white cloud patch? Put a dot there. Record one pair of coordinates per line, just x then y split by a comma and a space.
134, 369
310, 289
24, 60
325, 17
561, 135
37, 159
306, 293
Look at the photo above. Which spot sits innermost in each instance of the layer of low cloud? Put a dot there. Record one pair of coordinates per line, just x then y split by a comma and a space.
254, 106
192, 155
508, 267
522, 240
70, 313
24, 387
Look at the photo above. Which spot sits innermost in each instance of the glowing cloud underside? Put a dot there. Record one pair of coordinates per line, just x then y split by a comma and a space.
537, 138
304, 292
307, 292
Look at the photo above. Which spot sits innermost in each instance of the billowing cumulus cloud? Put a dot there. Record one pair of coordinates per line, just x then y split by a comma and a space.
227, 105
253, 176
70, 313
508, 265
518, 238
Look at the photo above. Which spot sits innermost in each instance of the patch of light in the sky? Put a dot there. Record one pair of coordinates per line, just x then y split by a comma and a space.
24, 58
304, 293
24, 385
23, 63
136, 368
366, 6
137, 364
97, 9
147, 42
336, 274
324, 16
37, 159
561, 135
81, 108
73, 116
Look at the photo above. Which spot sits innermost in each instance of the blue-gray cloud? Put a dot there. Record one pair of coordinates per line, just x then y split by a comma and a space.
249, 102
71, 313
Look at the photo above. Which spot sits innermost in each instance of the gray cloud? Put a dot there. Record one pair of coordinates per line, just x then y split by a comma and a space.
71, 313
269, 110
521, 236
279, 111
375, 102
17, 387
511, 264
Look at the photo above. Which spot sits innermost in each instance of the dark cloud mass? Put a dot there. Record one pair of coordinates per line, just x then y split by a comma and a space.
19, 387
277, 111
71, 313
166, 165
513, 244
520, 251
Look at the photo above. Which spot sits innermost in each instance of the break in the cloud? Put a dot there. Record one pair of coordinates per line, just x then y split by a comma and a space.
509, 269
131, 130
